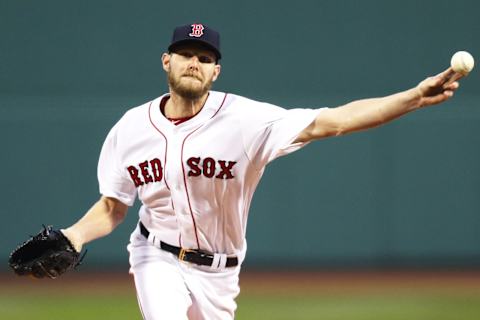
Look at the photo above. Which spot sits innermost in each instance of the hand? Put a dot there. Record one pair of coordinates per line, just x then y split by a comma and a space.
47, 254
439, 88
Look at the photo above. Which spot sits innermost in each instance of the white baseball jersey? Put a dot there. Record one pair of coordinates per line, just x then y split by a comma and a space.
196, 179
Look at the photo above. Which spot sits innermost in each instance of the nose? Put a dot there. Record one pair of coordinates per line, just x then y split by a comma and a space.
194, 62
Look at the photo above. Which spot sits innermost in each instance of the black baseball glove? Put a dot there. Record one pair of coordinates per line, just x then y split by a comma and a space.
47, 254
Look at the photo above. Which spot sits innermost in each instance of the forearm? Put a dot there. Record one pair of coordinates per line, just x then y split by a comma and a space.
360, 115
367, 113
102, 218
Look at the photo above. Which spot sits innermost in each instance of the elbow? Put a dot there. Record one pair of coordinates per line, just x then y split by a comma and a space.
354, 124
115, 209
119, 215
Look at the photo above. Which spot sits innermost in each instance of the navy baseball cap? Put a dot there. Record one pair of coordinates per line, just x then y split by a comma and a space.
199, 33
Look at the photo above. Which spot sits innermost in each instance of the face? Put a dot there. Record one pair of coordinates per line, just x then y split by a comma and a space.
191, 70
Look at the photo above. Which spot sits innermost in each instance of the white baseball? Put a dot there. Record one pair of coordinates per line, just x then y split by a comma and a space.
462, 62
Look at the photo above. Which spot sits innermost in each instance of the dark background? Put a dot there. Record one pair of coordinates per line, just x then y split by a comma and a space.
403, 195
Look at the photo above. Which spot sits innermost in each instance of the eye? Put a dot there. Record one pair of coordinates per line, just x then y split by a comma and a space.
205, 59
186, 54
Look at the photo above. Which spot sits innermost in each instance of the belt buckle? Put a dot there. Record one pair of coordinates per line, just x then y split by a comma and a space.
183, 253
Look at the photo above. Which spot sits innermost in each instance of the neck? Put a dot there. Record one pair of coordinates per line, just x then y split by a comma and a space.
180, 107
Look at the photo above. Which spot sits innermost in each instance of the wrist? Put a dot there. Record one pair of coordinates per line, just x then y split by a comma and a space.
415, 96
73, 237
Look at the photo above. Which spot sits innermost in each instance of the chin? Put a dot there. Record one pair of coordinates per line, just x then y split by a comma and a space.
192, 93
190, 84
189, 88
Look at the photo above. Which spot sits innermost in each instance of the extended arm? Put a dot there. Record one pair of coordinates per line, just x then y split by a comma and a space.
368, 113
102, 218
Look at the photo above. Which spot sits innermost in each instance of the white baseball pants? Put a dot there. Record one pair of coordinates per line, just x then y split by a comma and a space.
175, 290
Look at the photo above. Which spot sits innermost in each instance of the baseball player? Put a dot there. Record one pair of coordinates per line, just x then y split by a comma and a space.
194, 157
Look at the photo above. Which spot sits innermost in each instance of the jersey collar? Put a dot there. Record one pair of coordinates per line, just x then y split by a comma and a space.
213, 104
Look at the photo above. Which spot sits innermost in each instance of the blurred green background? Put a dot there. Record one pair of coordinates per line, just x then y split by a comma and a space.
284, 296
403, 195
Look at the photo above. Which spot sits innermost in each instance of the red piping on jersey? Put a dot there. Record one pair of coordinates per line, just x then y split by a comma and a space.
185, 178
223, 101
165, 160
186, 189
166, 144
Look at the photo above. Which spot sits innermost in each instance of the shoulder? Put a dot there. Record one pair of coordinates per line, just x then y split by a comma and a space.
139, 114
141, 110
134, 121
251, 107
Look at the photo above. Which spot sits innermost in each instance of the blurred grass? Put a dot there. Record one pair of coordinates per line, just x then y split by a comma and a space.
122, 304
57, 305
423, 306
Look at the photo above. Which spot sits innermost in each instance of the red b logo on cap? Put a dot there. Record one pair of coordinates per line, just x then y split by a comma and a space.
197, 30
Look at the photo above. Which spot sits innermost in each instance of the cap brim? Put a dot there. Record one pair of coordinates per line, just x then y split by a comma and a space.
204, 44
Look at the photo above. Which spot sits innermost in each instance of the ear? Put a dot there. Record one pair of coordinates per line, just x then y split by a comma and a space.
216, 72
166, 62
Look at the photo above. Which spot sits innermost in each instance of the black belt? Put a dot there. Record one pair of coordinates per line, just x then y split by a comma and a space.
189, 255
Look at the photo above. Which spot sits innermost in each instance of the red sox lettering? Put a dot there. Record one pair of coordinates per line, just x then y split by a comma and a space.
152, 170
209, 168
156, 169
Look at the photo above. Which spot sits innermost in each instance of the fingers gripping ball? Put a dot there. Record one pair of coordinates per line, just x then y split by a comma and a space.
47, 254
462, 62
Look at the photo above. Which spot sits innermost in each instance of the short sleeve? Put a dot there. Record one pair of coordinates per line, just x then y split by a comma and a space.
271, 131
112, 180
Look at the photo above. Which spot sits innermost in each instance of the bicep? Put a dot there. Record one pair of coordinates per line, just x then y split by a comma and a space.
329, 122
